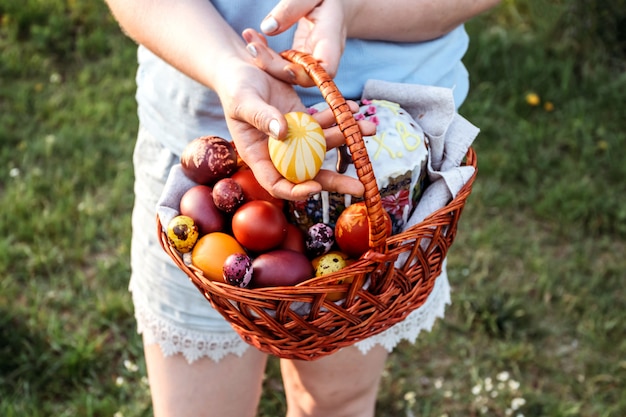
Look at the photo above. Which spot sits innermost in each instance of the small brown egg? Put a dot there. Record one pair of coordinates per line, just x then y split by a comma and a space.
227, 195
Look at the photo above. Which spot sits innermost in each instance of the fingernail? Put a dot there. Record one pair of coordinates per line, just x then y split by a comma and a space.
291, 74
269, 25
275, 128
251, 50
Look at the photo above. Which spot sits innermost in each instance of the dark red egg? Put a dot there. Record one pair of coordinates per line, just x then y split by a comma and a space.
280, 267
197, 203
294, 240
227, 195
208, 159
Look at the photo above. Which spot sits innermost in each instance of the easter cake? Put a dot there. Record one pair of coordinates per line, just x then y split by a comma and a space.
398, 153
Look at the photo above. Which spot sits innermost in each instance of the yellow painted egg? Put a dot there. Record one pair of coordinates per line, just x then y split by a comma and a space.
300, 155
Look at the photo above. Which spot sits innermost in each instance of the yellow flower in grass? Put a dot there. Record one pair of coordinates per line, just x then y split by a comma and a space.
548, 106
532, 99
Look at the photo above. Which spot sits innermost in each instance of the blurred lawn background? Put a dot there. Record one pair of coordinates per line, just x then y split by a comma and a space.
537, 322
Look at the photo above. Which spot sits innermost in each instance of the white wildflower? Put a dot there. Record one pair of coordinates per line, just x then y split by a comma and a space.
119, 381
118, 414
517, 402
55, 78
513, 385
131, 366
503, 376
476, 389
14, 172
409, 397
488, 384
438, 383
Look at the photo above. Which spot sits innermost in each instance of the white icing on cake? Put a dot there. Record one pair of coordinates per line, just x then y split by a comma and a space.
398, 153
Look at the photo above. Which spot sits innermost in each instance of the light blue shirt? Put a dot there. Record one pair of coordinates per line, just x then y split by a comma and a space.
177, 109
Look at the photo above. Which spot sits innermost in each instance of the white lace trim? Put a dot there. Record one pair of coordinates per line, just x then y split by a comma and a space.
193, 345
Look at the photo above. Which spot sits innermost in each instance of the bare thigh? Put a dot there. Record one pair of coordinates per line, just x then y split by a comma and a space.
228, 388
344, 384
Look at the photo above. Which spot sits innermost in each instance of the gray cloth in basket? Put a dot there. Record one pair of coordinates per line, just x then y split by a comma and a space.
449, 138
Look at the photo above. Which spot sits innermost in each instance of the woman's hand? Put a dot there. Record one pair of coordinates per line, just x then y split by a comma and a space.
321, 32
254, 103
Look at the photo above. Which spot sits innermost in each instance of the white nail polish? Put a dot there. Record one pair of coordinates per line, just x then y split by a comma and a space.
274, 128
269, 25
251, 50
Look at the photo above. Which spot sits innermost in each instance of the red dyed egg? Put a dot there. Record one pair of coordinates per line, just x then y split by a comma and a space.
352, 230
259, 226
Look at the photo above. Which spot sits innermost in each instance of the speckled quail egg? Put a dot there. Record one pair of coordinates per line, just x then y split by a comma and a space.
182, 233
238, 270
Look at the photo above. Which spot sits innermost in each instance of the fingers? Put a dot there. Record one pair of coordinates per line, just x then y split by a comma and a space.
286, 14
334, 135
323, 34
271, 62
335, 182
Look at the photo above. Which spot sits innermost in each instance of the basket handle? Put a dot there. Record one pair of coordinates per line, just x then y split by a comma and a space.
354, 139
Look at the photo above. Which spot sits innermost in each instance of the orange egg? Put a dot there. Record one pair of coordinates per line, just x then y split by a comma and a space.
211, 251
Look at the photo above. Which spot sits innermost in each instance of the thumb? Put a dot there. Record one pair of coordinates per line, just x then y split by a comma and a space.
285, 14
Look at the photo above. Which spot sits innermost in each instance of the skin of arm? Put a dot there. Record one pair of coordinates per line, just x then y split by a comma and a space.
410, 20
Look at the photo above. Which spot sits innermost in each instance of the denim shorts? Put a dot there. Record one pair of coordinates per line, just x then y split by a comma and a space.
169, 309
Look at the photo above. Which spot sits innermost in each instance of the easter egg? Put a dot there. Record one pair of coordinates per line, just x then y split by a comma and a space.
330, 262
237, 269
182, 233
319, 239
211, 251
300, 155
352, 229
208, 159
280, 267
259, 226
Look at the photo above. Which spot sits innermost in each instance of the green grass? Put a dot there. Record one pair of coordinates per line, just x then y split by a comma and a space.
537, 268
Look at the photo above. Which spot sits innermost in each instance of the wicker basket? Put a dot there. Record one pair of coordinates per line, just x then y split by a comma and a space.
391, 280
